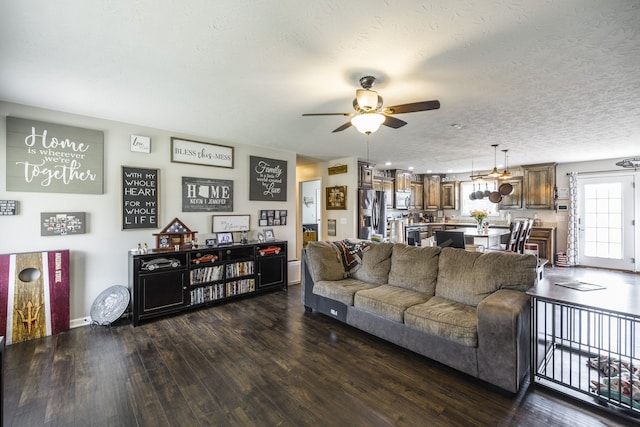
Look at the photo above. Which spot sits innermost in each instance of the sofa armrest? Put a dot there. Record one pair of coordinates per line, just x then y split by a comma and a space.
307, 283
504, 331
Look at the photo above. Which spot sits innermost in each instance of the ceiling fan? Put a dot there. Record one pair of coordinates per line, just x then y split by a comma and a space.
369, 113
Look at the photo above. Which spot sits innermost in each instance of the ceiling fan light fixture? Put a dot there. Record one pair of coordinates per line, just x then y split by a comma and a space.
367, 99
368, 123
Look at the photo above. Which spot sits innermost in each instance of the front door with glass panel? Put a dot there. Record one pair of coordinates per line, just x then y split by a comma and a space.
606, 214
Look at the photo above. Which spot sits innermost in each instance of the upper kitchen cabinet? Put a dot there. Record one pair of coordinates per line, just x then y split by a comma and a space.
448, 195
403, 181
386, 185
512, 200
365, 175
432, 192
417, 195
539, 186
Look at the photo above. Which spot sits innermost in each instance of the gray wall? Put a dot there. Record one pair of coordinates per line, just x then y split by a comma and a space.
99, 257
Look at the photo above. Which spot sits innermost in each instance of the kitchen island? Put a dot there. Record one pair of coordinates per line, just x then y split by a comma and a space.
543, 236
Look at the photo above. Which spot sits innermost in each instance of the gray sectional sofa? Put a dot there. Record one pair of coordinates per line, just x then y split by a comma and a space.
467, 310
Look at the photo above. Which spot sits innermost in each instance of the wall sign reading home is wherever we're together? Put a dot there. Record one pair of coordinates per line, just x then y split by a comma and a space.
53, 158
267, 179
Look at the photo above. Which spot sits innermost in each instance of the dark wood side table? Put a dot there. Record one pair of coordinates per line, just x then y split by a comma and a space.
571, 328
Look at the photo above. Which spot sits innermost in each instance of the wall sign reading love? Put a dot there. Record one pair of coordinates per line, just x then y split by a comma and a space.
47, 157
268, 179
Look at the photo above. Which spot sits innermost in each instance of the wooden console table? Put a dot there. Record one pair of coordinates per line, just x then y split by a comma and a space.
166, 282
572, 327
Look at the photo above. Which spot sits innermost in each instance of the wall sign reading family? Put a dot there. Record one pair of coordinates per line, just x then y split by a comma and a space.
201, 153
267, 179
207, 195
52, 158
139, 197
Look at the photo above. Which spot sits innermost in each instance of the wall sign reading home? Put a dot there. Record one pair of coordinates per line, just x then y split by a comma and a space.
52, 158
207, 195
139, 197
267, 179
201, 153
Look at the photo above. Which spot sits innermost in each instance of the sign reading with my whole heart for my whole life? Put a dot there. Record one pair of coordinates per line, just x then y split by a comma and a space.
53, 158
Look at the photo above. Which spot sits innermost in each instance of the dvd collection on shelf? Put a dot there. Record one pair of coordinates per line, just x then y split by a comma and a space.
207, 293
241, 287
207, 274
238, 269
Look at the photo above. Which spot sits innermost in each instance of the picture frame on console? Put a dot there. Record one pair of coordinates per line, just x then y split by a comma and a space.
269, 236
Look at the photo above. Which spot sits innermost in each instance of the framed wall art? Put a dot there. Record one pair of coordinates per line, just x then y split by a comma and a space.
225, 223
201, 153
267, 179
140, 202
337, 197
52, 158
140, 144
272, 217
62, 223
207, 195
331, 227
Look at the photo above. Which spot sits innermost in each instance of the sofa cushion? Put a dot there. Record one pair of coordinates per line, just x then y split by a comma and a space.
469, 277
445, 318
388, 301
414, 267
376, 263
340, 290
324, 262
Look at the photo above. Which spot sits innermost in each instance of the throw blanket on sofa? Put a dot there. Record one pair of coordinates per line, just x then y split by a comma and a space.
351, 253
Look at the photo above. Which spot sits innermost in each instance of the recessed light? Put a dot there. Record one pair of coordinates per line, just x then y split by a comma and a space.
450, 171
429, 171
410, 168
456, 126
387, 163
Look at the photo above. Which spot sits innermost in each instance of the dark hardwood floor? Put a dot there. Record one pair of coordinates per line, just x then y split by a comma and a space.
260, 361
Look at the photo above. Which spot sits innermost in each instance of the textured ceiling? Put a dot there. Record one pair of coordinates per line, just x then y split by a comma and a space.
547, 80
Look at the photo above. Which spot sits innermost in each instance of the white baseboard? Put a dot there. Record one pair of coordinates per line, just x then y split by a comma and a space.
83, 321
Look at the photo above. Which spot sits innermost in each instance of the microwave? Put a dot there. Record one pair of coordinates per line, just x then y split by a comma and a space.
403, 200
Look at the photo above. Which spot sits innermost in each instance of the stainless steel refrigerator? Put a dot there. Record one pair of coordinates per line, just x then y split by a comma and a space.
372, 214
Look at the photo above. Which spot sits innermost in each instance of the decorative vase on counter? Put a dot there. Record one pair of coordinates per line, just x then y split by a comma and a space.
480, 227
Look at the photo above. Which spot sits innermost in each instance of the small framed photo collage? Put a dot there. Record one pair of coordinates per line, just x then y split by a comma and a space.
270, 218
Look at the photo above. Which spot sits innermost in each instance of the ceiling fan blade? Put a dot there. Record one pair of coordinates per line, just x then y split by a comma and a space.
412, 107
392, 122
343, 127
329, 114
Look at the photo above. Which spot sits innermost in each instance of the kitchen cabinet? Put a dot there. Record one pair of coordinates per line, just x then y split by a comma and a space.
385, 185
448, 195
514, 199
365, 175
417, 195
432, 192
403, 181
539, 186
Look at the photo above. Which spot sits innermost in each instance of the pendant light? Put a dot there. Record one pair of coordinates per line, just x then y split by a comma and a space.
506, 174
495, 173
